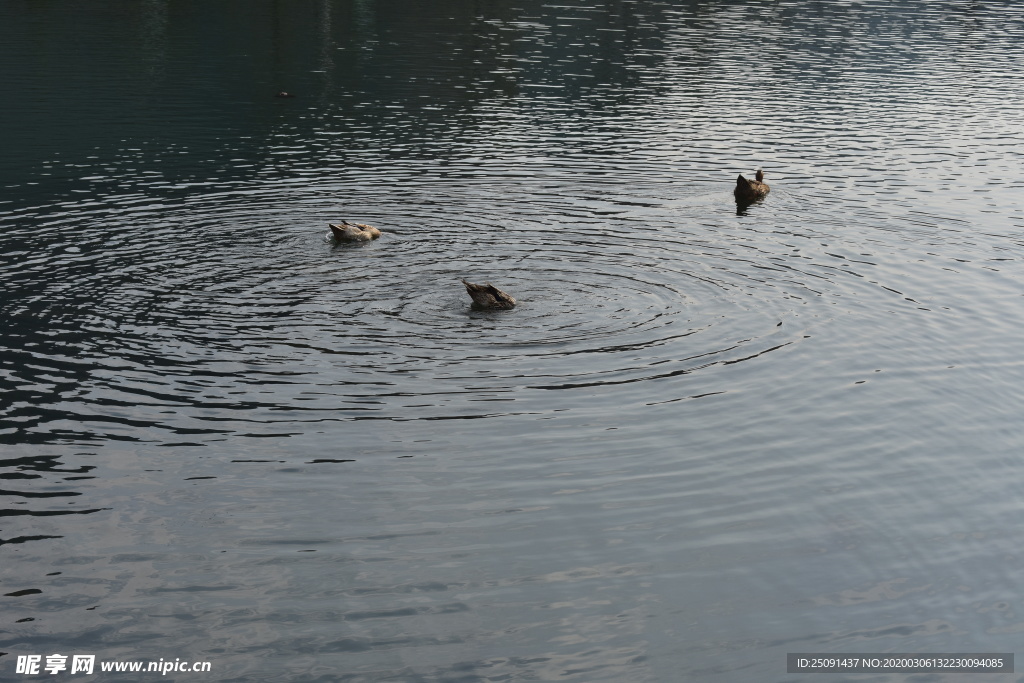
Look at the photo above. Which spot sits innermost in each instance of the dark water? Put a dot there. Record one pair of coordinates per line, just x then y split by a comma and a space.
709, 435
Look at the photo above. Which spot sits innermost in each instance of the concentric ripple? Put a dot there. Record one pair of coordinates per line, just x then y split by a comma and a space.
609, 293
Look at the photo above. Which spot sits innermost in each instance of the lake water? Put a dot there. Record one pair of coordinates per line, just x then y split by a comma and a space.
708, 436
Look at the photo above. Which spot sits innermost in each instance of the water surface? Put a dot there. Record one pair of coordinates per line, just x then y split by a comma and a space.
708, 435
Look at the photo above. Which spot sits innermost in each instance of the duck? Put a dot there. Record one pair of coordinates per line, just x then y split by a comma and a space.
284, 94
749, 190
353, 232
489, 296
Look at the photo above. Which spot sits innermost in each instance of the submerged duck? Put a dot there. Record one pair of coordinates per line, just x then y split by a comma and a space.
749, 190
353, 232
489, 296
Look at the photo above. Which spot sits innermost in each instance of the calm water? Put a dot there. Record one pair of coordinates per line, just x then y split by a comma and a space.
709, 435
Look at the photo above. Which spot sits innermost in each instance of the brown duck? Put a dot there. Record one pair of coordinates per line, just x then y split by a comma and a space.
749, 190
353, 232
489, 296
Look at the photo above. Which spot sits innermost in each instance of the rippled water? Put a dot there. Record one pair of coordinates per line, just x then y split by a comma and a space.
707, 436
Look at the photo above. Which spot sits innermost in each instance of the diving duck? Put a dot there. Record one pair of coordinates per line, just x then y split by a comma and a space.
353, 232
489, 296
749, 190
